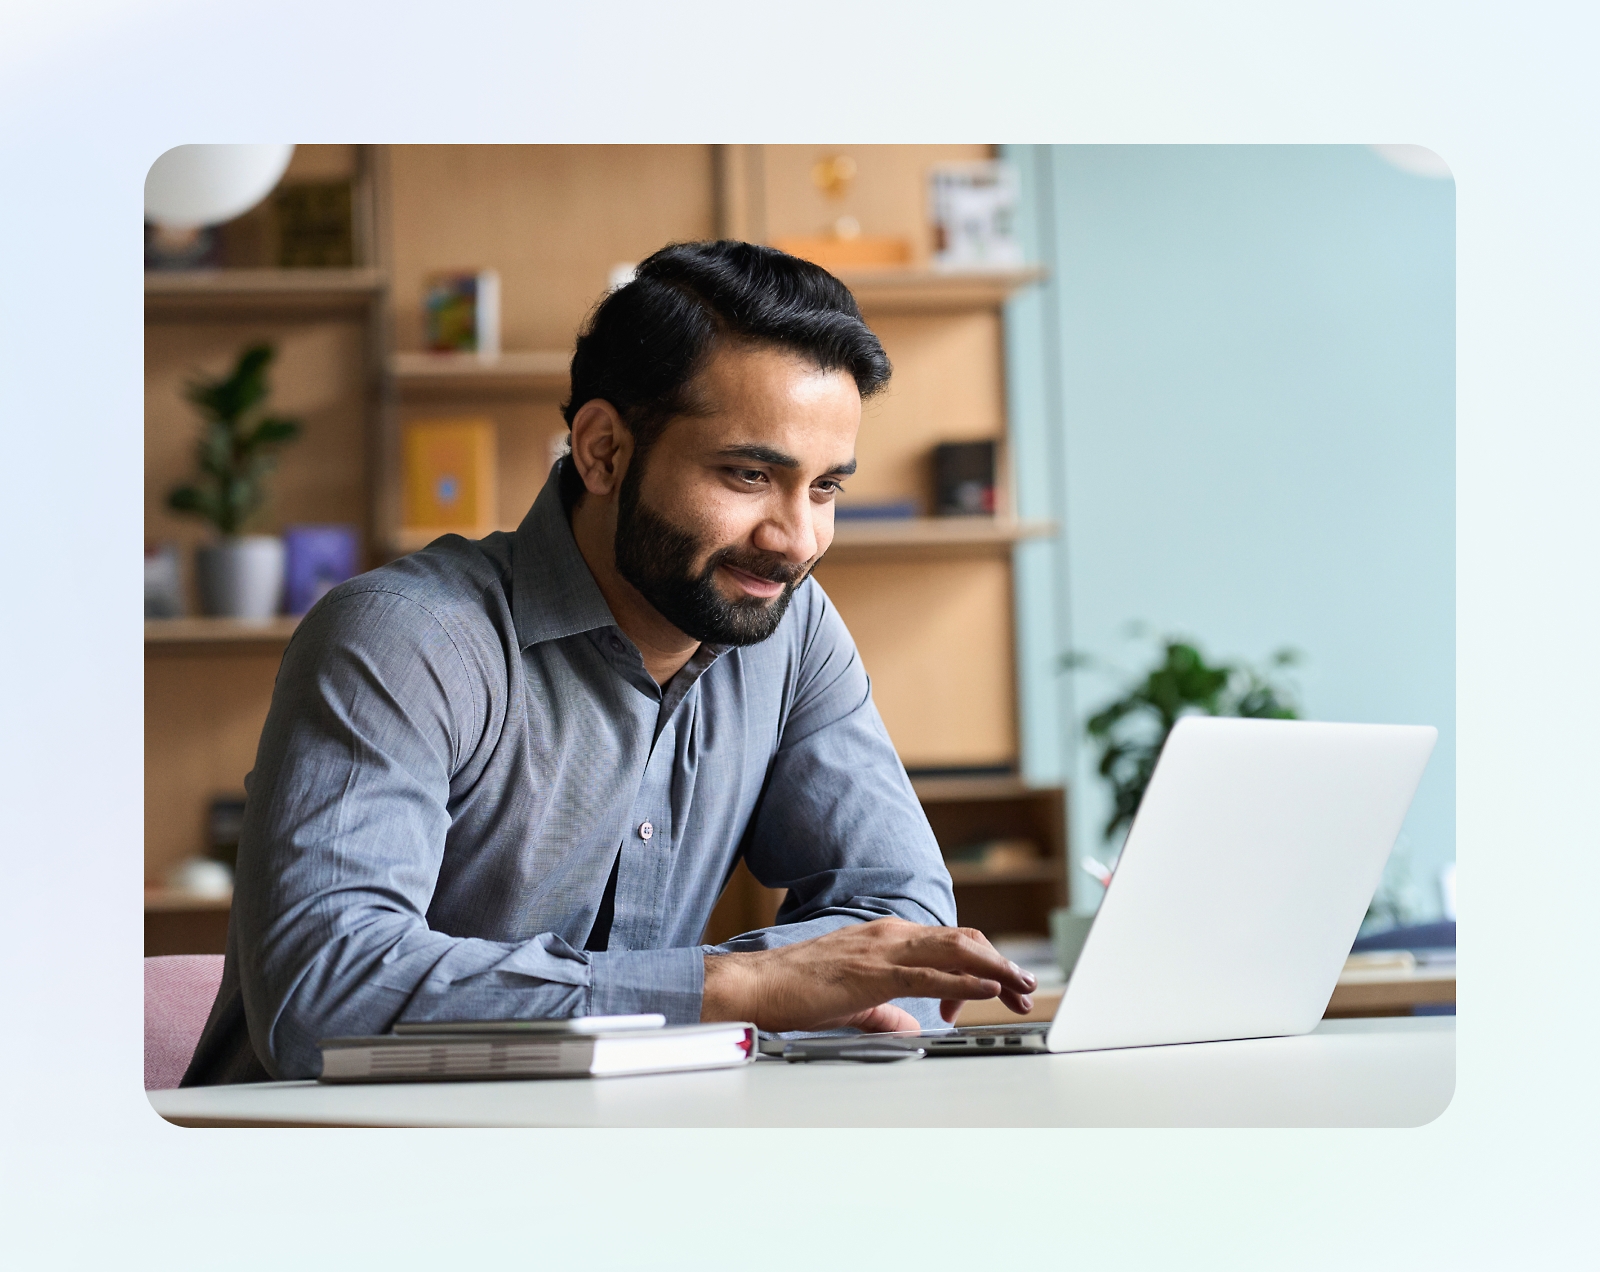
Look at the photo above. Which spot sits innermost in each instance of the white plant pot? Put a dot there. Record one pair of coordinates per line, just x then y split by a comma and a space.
241, 577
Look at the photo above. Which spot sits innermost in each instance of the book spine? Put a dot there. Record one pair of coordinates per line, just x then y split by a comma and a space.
458, 1061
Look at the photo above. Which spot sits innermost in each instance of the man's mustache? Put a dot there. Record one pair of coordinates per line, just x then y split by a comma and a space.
773, 569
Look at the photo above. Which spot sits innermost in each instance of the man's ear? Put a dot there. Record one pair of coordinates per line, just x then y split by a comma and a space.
601, 447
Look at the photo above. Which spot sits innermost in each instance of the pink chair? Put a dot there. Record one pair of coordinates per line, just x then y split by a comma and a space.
178, 992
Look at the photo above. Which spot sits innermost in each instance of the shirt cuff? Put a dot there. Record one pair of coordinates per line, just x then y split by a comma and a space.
631, 982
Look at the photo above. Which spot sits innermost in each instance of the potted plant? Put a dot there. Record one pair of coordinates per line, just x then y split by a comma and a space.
1131, 730
241, 575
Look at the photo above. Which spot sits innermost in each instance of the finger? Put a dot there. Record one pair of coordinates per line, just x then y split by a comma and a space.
965, 950
928, 982
1022, 1004
885, 1018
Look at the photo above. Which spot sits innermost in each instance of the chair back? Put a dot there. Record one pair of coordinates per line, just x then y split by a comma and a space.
178, 992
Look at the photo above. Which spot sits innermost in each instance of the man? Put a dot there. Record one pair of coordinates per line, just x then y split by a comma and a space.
509, 778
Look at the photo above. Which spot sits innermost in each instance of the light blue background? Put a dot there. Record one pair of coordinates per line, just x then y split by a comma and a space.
1236, 395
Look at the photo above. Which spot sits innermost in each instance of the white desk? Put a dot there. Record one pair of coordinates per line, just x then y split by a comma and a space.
1395, 1071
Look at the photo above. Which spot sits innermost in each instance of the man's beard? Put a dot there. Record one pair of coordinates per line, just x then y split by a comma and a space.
656, 557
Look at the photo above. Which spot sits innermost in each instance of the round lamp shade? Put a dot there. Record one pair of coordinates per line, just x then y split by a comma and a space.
206, 185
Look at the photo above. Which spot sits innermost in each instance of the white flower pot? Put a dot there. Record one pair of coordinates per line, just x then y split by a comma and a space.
241, 577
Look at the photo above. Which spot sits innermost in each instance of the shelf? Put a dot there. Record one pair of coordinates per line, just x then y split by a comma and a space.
204, 292
405, 540
177, 901
961, 790
962, 873
931, 536
909, 290
523, 370
176, 634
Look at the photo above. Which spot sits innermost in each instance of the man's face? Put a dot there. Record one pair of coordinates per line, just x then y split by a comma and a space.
733, 504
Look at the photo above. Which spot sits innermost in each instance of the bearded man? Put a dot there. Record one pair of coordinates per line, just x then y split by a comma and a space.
509, 778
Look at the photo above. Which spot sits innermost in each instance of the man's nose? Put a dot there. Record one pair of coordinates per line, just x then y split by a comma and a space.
789, 531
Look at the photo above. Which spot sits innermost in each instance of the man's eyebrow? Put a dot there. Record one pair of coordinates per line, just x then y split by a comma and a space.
761, 455
780, 459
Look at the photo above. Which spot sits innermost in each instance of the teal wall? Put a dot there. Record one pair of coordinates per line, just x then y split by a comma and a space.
1236, 395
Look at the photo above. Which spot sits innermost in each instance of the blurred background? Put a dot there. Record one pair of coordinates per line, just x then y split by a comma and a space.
1161, 417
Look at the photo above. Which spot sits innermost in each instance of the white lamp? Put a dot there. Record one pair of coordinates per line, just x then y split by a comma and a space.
192, 186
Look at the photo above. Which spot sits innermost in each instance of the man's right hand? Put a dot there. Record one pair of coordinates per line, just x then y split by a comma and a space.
846, 978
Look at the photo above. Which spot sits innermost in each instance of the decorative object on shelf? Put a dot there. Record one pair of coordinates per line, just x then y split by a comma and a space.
163, 581
242, 575
224, 821
1131, 730
318, 559
882, 510
202, 878
999, 856
843, 245
314, 225
449, 476
461, 313
973, 210
191, 186
181, 247
833, 175
847, 250
963, 479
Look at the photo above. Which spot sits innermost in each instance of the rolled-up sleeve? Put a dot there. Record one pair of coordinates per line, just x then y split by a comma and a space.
839, 825
376, 708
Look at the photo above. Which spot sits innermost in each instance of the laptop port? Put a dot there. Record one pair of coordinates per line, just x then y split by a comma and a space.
986, 1042
1013, 1042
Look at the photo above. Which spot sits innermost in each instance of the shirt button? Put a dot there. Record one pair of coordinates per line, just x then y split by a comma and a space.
646, 830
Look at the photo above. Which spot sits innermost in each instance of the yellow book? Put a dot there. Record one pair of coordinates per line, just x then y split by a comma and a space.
448, 469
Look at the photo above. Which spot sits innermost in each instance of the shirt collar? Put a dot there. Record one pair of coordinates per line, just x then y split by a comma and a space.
553, 594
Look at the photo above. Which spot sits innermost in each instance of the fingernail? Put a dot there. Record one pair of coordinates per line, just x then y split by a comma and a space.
1027, 977
1027, 1004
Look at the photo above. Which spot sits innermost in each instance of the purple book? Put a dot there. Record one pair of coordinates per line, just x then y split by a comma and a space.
318, 558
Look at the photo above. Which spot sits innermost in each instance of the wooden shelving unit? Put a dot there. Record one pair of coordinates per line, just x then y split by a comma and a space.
185, 633
512, 372
930, 536
907, 290
969, 810
187, 293
177, 901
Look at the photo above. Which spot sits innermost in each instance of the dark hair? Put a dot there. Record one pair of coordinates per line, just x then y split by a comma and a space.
646, 341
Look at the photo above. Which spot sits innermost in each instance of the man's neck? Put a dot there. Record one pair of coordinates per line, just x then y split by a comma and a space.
663, 647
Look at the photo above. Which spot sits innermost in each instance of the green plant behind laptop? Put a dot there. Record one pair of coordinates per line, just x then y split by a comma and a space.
1130, 731
237, 447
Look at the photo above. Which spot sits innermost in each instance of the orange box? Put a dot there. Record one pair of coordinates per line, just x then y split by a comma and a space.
852, 253
448, 476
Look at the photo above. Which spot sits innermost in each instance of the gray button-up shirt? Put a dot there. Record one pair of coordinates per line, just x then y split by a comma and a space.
462, 743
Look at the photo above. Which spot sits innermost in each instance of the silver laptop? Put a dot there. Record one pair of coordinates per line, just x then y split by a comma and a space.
1240, 889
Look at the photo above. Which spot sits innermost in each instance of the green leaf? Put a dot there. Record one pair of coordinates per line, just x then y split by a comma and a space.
274, 430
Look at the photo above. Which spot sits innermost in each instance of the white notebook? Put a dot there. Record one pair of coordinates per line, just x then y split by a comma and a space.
510, 1049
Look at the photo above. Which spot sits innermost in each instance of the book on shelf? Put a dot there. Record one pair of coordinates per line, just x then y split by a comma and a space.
470, 1051
461, 313
448, 476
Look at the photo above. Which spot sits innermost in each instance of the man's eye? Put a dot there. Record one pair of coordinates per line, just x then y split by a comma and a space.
751, 476
828, 487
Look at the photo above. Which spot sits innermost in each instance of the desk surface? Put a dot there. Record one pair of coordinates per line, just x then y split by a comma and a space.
1396, 1071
